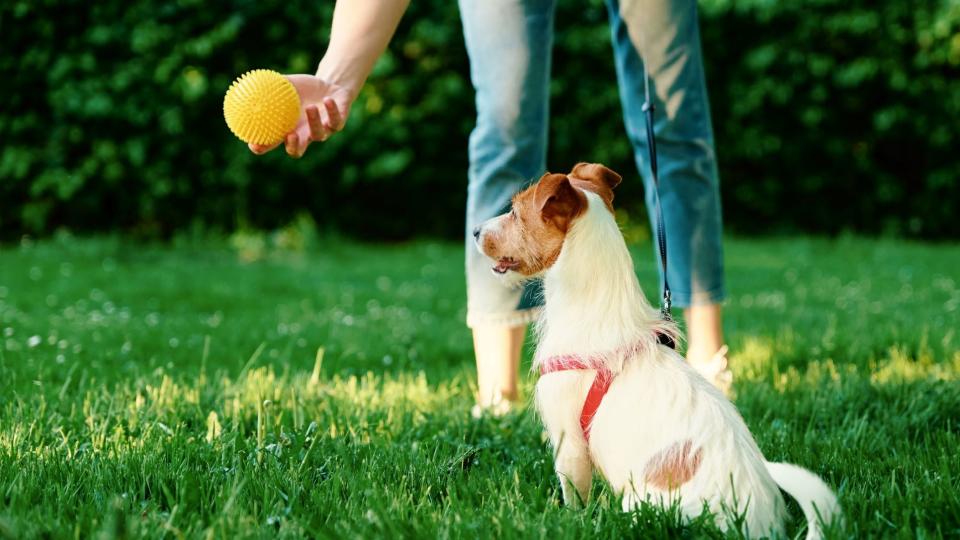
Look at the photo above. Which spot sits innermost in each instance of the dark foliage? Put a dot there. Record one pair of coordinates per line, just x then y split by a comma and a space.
830, 115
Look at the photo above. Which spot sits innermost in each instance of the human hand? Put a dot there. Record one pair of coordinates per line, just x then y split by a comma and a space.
324, 108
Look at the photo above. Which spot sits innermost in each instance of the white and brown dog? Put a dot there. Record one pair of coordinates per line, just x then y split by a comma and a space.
610, 394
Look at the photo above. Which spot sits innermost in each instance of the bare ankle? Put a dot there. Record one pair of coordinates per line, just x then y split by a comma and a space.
497, 352
704, 332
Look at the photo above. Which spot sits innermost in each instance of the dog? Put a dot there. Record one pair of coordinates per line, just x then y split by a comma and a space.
612, 396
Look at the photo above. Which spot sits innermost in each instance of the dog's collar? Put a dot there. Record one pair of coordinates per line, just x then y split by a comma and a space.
601, 380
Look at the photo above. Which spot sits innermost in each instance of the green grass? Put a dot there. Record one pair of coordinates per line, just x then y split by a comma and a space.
174, 391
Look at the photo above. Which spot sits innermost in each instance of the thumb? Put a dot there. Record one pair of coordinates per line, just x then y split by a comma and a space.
261, 149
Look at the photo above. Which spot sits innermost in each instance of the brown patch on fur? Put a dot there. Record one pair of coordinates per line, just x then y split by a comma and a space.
673, 466
596, 178
532, 234
558, 201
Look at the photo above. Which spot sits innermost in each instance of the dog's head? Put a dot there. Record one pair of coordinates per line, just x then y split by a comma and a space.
527, 240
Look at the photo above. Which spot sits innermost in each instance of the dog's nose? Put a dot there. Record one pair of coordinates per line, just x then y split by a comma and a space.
476, 233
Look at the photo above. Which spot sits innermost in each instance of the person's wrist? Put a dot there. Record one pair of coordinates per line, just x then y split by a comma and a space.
341, 75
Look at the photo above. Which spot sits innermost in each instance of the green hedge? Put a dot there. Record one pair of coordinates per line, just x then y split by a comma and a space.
830, 115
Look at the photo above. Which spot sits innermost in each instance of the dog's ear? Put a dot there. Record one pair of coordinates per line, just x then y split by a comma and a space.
596, 173
559, 202
596, 178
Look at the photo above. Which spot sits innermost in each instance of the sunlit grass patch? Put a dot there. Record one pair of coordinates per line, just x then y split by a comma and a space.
155, 391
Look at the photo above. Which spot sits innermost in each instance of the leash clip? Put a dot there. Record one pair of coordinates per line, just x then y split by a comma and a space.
665, 306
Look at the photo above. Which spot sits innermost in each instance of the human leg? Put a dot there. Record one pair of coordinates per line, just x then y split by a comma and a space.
497, 350
509, 43
665, 34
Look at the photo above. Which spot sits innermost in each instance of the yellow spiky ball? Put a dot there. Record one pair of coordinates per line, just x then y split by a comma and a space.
261, 107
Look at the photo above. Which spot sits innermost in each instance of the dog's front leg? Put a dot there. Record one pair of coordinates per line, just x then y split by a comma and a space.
559, 398
573, 466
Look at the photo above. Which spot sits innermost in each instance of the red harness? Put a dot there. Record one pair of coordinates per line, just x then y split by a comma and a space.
601, 381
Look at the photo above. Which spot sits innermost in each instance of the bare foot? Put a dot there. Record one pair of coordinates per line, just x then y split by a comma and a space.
714, 368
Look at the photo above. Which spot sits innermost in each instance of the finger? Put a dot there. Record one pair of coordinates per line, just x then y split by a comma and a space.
324, 123
335, 122
261, 149
304, 142
317, 131
292, 145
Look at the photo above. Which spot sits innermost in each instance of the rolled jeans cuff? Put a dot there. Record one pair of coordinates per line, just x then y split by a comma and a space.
698, 298
509, 319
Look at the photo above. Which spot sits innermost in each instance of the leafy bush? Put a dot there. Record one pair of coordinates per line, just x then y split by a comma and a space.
835, 115
829, 116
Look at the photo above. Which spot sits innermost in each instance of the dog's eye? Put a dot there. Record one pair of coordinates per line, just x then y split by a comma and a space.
513, 213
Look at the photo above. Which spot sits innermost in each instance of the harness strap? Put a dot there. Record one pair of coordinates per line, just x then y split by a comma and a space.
666, 340
601, 383
601, 380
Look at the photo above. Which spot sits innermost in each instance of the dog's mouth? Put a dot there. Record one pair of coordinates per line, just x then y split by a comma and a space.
505, 264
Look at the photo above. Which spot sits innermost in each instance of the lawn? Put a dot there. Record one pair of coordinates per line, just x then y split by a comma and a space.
177, 391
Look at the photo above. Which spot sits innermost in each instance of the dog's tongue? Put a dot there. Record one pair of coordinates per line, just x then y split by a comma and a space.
503, 265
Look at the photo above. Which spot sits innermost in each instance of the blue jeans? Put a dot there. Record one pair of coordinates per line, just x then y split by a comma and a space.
509, 43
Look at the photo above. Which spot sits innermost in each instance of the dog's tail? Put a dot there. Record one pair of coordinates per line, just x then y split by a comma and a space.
818, 502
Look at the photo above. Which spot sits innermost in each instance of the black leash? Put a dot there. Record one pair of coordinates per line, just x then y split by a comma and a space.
648, 108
